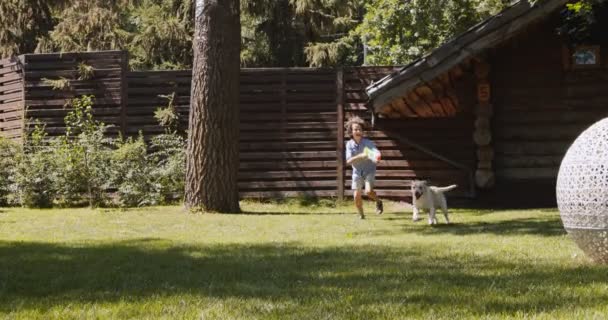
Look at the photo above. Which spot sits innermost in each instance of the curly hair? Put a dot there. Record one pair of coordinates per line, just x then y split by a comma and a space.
348, 126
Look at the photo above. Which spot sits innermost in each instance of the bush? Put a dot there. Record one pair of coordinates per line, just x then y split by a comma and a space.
169, 163
35, 173
10, 153
82, 157
83, 166
131, 174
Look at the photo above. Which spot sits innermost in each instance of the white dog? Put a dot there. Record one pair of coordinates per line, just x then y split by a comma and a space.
429, 197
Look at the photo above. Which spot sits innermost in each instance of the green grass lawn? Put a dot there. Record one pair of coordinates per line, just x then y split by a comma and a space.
293, 261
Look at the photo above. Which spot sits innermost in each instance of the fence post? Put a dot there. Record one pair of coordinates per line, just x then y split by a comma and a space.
124, 68
340, 132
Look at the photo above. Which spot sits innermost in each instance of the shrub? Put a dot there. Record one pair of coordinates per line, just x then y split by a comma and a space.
35, 173
82, 157
10, 153
169, 153
169, 165
131, 174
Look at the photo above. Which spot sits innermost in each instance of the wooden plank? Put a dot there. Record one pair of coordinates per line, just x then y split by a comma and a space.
288, 146
288, 136
15, 96
541, 117
33, 85
295, 174
99, 73
11, 61
523, 161
159, 82
328, 78
539, 132
527, 173
72, 93
284, 127
287, 194
73, 64
14, 68
61, 112
112, 54
158, 89
327, 164
245, 156
11, 87
6, 116
159, 73
266, 185
53, 131
61, 102
10, 77
531, 148
61, 121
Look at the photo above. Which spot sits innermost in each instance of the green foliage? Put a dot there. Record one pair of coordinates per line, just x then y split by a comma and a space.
10, 154
83, 167
584, 22
168, 155
281, 33
398, 32
22, 24
85, 71
57, 84
89, 25
35, 174
81, 157
169, 165
168, 117
162, 34
131, 174
299, 32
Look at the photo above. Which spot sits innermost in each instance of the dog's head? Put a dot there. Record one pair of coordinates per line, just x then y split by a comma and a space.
419, 187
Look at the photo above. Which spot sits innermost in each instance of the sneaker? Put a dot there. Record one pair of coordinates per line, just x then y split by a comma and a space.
379, 207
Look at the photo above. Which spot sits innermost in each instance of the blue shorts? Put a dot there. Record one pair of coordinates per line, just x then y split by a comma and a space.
367, 181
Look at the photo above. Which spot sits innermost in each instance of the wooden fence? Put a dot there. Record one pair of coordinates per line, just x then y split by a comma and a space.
11, 98
292, 134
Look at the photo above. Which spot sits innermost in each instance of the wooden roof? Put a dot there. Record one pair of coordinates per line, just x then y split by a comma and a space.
485, 34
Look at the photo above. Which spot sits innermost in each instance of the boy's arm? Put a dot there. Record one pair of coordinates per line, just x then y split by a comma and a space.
350, 158
356, 158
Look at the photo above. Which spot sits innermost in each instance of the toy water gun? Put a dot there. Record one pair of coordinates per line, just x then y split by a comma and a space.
372, 154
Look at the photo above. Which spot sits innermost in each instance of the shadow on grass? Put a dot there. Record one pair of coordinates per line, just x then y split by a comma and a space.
542, 226
294, 212
527, 226
39, 276
294, 206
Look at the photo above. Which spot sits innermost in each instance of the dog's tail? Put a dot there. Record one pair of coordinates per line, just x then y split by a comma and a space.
445, 189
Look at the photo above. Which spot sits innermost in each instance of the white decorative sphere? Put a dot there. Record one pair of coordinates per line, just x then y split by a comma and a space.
582, 191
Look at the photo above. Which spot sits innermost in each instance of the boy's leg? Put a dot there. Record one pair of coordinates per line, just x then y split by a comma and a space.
369, 188
357, 186
359, 202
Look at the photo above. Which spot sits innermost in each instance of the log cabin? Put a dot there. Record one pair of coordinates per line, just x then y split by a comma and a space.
527, 90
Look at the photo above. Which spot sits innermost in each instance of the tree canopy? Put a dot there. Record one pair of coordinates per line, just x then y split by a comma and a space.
274, 33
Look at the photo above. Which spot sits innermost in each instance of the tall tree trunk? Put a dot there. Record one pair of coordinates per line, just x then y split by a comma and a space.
213, 133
